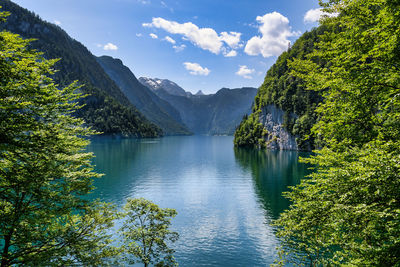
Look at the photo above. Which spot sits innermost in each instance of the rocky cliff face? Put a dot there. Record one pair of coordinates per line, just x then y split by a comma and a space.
278, 137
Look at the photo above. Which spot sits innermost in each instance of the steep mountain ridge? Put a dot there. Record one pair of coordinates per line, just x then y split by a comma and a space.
106, 109
284, 111
154, 108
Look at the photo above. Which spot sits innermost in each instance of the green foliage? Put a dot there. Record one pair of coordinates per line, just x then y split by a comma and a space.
145, 231
250, 132
287, 92
44, 173
348, 212
106, 110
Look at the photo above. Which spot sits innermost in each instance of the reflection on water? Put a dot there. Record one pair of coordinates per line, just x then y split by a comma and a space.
272, 172
225, 197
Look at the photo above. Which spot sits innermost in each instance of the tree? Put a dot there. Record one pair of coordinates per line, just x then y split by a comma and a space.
348, 211
44, 172
250, 132
146, 232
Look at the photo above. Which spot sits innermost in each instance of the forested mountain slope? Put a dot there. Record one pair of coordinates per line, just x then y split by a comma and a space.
106, 109
283, 111
154, 108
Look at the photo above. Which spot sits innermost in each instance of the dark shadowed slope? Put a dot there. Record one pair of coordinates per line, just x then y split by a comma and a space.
106, 109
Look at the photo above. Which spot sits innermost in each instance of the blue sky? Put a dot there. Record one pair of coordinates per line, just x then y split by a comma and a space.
199, 44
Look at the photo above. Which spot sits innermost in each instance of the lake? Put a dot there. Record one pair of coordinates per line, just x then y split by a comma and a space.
225, 197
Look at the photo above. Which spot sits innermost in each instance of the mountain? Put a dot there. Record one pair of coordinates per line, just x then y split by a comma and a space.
107, 109
154, 108
199, 93
284, 111
167, 85
216, 114
230, 105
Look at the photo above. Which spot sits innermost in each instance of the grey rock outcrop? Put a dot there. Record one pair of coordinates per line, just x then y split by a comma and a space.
278, 137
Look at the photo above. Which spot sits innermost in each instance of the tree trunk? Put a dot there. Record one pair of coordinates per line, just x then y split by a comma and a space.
4, 255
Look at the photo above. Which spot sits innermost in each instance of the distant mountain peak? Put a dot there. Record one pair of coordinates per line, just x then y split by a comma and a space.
156, 84
199, 93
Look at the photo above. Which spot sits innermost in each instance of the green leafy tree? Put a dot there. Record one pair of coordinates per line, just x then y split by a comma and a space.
348, 211
250, 132
44, 171
146, 233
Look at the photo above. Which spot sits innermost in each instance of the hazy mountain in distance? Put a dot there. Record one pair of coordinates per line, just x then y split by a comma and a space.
145, 100
215, 114
230, 105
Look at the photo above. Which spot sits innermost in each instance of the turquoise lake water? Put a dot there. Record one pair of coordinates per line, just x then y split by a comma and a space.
225, 197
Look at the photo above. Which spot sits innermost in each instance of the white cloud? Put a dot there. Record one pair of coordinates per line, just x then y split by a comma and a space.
110, 46
232, 53
139, 35
144, 2
232, 39
245, 72
205, 38
196, 69
169, 40
179, 48
57, 22
275, 31
314, 15
154, 36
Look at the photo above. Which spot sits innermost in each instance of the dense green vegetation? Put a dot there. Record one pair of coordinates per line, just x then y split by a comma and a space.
43, 172
148, 225
250, 132
106, 109
105, 114
287, 92
348, 211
